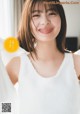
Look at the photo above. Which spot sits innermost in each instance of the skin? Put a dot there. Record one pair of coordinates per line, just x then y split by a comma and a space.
45, 27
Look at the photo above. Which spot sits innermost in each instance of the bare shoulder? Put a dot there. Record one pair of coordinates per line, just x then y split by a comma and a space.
13, 69
77, 63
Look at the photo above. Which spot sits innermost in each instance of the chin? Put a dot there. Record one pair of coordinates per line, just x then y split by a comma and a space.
45, 39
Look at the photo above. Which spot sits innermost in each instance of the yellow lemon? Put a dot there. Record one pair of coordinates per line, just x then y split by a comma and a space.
11, 44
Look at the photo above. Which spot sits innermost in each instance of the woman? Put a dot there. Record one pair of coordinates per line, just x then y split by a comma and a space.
47, 75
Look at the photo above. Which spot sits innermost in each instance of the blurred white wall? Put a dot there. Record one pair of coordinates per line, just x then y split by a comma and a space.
72, 12
6, 18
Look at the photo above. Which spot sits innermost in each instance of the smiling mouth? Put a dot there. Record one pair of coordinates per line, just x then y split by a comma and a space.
46, 31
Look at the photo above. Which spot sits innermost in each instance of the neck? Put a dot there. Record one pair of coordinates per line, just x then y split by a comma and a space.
47, 50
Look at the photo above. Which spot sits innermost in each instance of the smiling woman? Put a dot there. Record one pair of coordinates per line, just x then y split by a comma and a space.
29, 37
48, 74
44, 22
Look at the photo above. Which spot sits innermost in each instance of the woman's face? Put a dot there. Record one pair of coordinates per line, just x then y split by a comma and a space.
45, 23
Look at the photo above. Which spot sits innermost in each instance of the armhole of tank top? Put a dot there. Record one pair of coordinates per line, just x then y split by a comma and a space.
20, 69
73, 66
22, 62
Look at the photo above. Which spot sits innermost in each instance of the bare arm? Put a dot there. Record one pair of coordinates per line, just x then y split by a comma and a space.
13, 69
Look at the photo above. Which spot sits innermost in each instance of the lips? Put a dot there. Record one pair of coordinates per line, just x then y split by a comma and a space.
46, 30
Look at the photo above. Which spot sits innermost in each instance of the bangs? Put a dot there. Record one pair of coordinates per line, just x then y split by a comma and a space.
46, 4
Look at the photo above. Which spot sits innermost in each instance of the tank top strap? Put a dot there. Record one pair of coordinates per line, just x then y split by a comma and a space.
71, 67
70, 59
24, 63
70, 63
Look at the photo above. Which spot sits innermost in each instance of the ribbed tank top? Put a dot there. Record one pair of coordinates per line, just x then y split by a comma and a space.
59, 94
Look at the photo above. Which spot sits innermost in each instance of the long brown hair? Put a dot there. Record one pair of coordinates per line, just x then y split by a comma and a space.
25, 37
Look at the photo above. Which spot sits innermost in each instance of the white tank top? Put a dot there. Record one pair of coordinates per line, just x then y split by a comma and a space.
59, 94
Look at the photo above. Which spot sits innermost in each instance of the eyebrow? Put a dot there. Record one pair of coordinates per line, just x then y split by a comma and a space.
39, 11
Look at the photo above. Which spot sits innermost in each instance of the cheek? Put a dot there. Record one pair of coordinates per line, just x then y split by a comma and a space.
58, 23
33, 28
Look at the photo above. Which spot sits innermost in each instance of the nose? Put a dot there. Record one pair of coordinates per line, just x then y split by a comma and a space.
45, 20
